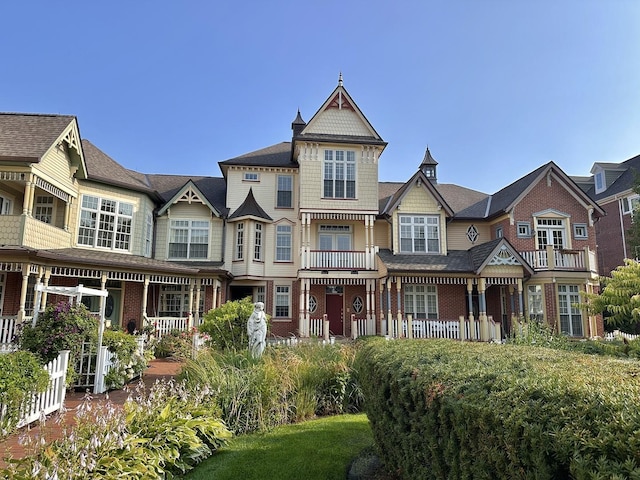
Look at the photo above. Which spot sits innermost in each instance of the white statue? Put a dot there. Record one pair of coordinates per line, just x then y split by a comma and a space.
257, 330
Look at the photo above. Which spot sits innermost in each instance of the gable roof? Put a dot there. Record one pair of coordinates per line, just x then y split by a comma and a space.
250, 208
337, 112
26, 137
214, 189
193, 194
481, 255
102, 168
418, 179
505, 199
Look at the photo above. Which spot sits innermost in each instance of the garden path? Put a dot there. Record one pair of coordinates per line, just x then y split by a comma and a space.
159, 369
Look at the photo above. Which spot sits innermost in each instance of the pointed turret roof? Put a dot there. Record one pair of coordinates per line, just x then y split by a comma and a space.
428, 159
250, 208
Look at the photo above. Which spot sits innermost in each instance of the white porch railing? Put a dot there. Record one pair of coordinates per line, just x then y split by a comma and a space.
316, 327
338, 260
165, 325
550, 259
362, 326
7, 332
52, 399
466, 329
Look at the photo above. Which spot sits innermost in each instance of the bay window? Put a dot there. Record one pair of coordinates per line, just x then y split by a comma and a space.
105, 223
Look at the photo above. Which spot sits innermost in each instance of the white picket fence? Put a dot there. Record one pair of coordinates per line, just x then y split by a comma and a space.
52, 399
617, 335
7, 332
165, 325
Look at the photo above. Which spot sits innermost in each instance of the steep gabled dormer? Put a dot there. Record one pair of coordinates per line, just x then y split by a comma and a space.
338, 152
604, 174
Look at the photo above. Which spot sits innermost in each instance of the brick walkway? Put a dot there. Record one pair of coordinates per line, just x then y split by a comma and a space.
158, 369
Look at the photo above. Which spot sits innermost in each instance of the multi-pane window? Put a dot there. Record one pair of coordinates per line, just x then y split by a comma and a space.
550, 231
499, 232
335, 237
148, 234
43, 208
283, 243
339, 174
239, 250
472, 233
524, 229
313, 304
285, 191
259, 293
570, 315
534, 296
5, 206
283, 297
105, 223
174, 301
189, 239
251, 177
629, 204
419, 234
257, 244
421, 301
580, 230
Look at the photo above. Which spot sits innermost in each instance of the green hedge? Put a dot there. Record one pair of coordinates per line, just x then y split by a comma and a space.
446, 410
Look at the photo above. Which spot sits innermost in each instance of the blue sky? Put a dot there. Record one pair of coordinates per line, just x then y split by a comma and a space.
495, 88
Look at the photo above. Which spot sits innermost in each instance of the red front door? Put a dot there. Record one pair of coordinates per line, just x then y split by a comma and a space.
334, 314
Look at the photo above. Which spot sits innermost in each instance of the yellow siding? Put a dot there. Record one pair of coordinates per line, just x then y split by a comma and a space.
418, 201
335, 121
502, 271
382, 234
10, 229
162, 238
457, 235
54, 167
38, 234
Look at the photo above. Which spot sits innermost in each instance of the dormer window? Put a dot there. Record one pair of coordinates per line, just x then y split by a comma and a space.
599, 182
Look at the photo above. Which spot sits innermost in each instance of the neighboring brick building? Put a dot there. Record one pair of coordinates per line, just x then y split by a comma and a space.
304, 226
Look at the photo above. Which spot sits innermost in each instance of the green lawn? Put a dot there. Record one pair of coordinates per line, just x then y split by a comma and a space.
319, 449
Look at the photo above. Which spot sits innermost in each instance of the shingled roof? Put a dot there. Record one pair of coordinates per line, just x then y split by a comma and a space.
102, 168
250, 208
278, 155
624, 182
213, 188
26, 137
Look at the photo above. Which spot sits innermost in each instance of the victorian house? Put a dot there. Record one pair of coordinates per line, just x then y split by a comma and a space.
306, 226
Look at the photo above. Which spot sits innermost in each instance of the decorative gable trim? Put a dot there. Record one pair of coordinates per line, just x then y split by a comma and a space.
419, 180
340, 102
189, 193
504, 257
503, 254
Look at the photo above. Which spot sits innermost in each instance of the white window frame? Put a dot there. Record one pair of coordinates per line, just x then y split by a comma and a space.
282, 189
598, 180
551, 231
251, 177
174, 301
148, 234
282, 303
523, 229
421, 301
416, 230
105, 223
43, 208
499, 232
257, 242
6, 205
569, 315
184, 231
580, 231
629, 204
239, 243
535, 303
472, 233
335, 238
284, 243
260, 293
339, 174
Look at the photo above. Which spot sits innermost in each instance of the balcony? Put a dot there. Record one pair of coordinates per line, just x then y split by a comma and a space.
338, 259
566, 260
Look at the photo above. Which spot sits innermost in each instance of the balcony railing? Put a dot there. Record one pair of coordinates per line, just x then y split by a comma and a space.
552, 259
338, 260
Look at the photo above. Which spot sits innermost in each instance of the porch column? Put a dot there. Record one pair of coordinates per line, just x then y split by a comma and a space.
303, 319
196, 303
145, 293
26, 267
470, 297
47, 277
383, 327
389, 319
482, 314
29, 190
398, 294
67, 214
190, 312
520, 298
371, 307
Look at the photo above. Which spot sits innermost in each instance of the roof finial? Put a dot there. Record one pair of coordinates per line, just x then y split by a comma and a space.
340, 80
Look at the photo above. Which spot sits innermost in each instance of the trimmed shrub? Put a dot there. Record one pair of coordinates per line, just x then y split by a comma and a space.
443, 409
21, 375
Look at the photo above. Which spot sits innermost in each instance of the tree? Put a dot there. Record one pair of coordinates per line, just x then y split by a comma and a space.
633, 234
619, 300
